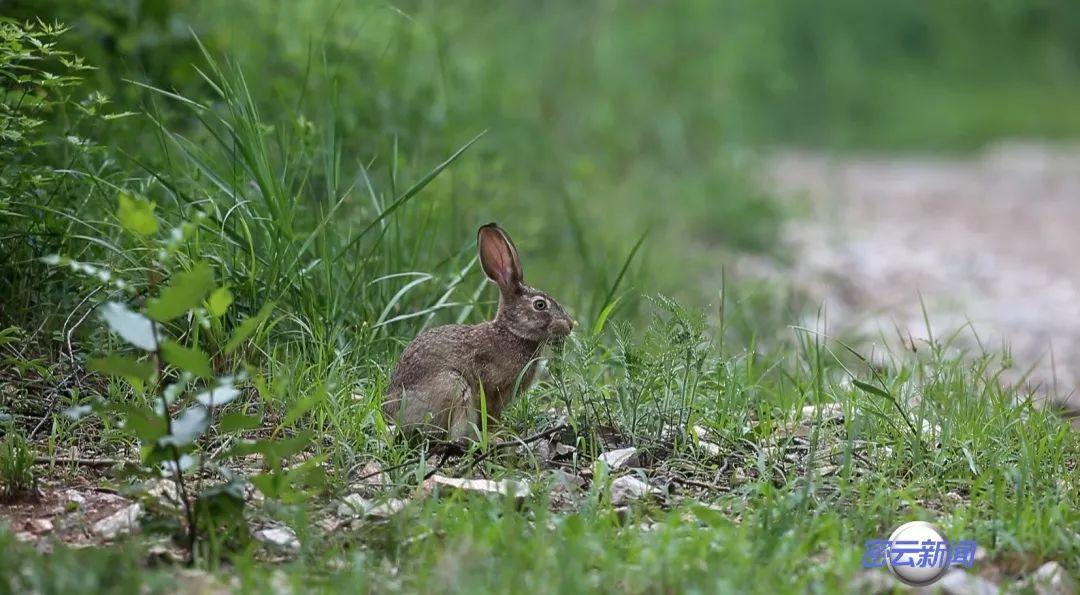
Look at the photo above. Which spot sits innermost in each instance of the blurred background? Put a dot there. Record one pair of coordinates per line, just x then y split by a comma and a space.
723, 132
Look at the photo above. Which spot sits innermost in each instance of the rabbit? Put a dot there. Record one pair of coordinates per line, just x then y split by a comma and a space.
441, 375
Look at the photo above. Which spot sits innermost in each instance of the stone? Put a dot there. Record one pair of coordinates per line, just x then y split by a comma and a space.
619, 458
387, 509
874, 582
119, 523
506, 487
958, 582
353, 505
198, 582
1052, 579
628, 488
282, 538
39, 526
829, 412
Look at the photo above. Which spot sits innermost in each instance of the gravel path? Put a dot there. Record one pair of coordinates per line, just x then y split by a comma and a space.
991, 239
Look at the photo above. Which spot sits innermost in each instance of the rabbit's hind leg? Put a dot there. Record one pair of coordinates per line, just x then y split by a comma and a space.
462, 415
441, 404
434, 404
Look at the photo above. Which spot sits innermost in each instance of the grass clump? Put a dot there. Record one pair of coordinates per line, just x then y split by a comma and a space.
17, 478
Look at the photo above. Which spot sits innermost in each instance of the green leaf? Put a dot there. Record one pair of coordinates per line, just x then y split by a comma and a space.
219, 301
222, 506
247, 327
136, 215
219, 395
235, 421
132, 327
96, 405
142, 422
302, 406
270, 484
120, 365
625, 267
601, 320
156, 455
282, 485
870, 388
274, 450
712, 518
187, 428
186, 291
186, 463
188, 359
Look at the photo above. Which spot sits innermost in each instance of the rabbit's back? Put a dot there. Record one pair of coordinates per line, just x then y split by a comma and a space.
440, 373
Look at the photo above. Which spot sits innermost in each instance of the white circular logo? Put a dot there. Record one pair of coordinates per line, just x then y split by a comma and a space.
919, 554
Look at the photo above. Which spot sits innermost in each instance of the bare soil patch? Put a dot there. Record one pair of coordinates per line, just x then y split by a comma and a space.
989, 241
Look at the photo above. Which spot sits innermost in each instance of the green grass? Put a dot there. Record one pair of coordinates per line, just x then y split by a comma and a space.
16, 466
335, 163
789, 512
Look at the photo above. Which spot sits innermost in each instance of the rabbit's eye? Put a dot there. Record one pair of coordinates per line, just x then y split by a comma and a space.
540, 304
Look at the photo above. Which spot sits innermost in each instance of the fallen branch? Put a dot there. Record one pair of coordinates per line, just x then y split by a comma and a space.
697, 484
81, 462
492, 448
446, 449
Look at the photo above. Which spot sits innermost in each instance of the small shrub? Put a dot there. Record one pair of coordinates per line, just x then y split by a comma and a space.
190, 420
16, 466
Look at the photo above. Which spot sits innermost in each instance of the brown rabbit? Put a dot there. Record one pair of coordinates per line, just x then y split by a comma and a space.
437, 382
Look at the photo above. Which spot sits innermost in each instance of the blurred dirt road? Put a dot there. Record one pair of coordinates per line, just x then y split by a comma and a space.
992, 239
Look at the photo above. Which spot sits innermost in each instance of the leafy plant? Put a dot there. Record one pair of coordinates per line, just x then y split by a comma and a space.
644, 389
37, 77
191, 420
16, 466
50, 125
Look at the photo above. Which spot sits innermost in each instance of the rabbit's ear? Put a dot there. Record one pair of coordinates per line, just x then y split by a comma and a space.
499, 257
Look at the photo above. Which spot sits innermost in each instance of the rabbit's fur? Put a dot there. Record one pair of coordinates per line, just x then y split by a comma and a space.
437, 382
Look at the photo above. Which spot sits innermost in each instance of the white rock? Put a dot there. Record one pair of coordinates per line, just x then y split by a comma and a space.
542, 451
1052, 579
39, 525
709, 448
280, 583
353, 505
279, 537
616, 459
372, 474
828, 470
565, 488
627, 488
119, 523
163, 489
874, 582
562, 479
330, 524
387, 509
564, 450
75, 497
704, 444
197, 582
506, 487
930, 428
829, 412
958, 582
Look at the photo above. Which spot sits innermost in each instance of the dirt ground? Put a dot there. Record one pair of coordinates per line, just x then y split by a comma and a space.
990, 239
